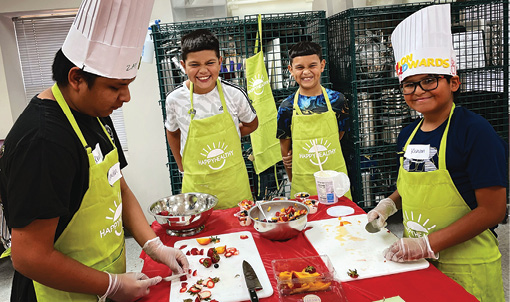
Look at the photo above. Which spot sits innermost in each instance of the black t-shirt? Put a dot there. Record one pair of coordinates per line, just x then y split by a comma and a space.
44, 170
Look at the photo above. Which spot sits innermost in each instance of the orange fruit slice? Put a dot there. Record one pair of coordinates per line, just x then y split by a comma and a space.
203, 241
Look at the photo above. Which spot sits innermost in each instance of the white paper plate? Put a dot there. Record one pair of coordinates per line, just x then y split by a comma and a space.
338, 211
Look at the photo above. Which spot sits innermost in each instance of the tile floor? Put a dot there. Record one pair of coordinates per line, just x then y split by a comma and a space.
135, 264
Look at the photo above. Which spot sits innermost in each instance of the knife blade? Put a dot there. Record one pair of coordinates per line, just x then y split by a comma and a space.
252, 281
371, 228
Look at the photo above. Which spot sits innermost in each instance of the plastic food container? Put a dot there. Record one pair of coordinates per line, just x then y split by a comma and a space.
307, 279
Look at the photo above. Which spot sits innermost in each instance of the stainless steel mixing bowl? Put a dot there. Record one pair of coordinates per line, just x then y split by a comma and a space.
279, 231
187, 212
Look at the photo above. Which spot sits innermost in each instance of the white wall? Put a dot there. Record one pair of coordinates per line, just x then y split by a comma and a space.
146, 174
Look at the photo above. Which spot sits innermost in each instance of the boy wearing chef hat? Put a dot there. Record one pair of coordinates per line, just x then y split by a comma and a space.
452, 179
60, 172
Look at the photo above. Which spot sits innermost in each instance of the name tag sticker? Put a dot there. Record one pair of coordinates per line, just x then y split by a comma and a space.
98, 155
114, 174
417, 152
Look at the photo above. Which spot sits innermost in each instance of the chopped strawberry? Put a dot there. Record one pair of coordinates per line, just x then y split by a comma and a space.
207, 262
189, 271
183, 289
183, 246
228, 254
201, 252
183, 278
188, 253
184, 284
212, 251
215, 258
243, 236
231, 249
210, 284
201, 261
194, 273
194, 289
194, 251
204, 294
236, 253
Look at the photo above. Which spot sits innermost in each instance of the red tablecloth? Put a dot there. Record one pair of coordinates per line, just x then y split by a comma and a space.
423, 285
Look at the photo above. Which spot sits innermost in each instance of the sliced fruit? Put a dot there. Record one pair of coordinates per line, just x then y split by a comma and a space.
210, 284
204, 294
183, 289
194, 251
243, 236
182, 247
221, 249
204, 241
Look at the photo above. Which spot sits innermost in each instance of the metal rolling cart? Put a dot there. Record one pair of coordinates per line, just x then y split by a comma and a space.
237, 39
362, 67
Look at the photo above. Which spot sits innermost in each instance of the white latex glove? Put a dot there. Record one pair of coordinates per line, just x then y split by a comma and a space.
384, 209
129, 286
173, 258
409, 249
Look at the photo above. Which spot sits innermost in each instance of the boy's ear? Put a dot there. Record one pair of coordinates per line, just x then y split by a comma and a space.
220, 59
183, 64
75, 78
323, 64
455, 83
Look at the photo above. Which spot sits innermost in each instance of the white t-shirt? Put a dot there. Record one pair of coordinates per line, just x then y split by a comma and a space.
206, 105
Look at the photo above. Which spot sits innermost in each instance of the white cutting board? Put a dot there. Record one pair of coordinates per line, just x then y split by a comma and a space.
232, 286
352, 247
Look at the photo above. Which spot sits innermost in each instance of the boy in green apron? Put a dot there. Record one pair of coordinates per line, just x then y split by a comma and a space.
311, 116
452, 179
60, 170
205, 119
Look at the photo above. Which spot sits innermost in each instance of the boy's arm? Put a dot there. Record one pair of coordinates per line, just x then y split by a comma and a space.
174, 141
247, 128
286, 150
490, 211
340, 135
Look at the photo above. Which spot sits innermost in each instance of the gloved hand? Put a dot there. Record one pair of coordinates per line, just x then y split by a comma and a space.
287, 160
384, 209
173, 258
408, 249
129, 286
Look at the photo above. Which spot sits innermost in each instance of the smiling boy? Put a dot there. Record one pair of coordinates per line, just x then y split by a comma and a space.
452, 179
205, 119
312, 115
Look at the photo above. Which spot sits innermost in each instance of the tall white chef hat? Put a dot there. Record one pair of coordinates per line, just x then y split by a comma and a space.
422, 43
107, 36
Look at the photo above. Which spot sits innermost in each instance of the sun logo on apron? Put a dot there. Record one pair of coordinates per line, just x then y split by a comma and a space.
116, 220
323, 148
416, 228
215, 156
257, 84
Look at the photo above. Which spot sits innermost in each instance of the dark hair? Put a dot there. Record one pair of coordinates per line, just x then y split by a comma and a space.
62, 65
198, 40
305, 48
456, 94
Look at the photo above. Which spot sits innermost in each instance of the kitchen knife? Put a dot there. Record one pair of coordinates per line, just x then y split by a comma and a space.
252, 281
173, 277
371, 227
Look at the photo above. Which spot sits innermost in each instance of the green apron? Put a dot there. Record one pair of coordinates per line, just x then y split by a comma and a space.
307, 131
94, 236
212, 158
431, 202
265, 145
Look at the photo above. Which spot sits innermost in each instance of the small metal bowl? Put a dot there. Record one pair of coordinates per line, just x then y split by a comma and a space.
278, 231
187, 212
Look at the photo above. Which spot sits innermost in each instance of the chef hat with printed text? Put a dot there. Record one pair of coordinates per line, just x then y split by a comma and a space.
422, 43
107, 36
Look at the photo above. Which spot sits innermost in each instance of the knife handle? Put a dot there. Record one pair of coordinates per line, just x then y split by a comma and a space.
253, 295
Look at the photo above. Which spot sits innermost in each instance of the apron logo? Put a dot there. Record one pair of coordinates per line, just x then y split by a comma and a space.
416, 228
257, 84
116, 226
322, 148
216, 156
